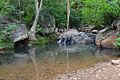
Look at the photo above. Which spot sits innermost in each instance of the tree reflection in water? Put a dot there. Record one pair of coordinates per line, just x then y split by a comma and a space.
32, 52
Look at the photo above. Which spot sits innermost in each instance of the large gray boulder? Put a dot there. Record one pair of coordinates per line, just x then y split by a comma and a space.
46, 23
73, 36
70, 33
20, 33
13, 29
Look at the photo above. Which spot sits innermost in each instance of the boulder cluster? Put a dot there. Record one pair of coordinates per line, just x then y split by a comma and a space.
101, 38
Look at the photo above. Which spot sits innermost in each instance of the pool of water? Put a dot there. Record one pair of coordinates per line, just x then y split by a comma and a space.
46, 62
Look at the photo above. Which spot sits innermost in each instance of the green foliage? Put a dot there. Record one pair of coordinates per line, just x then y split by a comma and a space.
41, 41
75, 18
97, 12
117, 42
58, 10
112, 10
5, 7
51, 38
24, 10
93, 11
5, 39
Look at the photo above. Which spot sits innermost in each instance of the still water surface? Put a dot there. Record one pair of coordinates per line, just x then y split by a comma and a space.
46, 62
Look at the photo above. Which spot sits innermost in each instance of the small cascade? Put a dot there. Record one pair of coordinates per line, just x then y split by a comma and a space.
66, 41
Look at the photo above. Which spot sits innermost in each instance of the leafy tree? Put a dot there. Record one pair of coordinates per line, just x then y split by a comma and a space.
96, 12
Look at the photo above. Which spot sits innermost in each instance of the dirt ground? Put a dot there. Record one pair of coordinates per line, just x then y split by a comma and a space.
100, 71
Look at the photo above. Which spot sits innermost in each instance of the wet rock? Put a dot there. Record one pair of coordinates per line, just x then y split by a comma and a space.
73, 36
83, 38
95, 31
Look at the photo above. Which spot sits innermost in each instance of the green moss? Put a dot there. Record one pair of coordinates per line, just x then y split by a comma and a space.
117, 42
52, 37
45, 40
41, 41
6, 45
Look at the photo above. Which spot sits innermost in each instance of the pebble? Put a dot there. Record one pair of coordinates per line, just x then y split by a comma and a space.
101, 71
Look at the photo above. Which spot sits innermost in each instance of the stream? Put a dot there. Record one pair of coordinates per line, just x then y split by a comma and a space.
46, 62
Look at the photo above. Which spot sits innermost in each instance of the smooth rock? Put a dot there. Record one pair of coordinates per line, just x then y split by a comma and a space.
95, 31
115, 62
73, 36
46, 24
20, 33
108, 42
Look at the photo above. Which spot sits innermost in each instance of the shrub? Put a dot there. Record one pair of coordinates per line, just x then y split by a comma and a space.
75, 18
5, 39
117, 42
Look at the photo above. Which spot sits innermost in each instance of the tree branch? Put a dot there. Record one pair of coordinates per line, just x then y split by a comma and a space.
33, 29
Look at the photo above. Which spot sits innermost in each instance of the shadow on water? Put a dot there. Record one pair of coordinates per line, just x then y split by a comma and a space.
44, 63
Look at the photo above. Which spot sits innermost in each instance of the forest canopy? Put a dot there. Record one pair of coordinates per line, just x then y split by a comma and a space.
93, 12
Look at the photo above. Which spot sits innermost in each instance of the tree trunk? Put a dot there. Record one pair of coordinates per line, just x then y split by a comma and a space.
33, 28
68, 13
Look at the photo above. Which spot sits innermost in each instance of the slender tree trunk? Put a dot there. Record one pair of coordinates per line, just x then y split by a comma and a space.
33, 28
68, 13
20, 17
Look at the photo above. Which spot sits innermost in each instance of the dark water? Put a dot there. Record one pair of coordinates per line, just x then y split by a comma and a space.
46, 62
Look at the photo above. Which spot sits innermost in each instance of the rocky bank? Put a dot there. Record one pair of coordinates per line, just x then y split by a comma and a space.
101, 71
